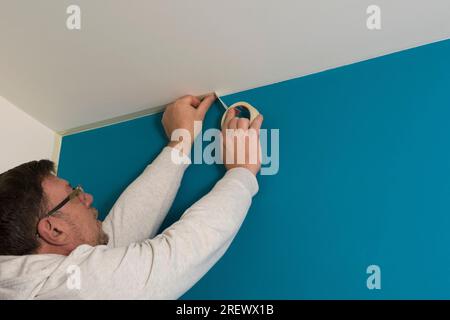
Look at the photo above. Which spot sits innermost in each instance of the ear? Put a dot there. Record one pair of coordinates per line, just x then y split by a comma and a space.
54, 231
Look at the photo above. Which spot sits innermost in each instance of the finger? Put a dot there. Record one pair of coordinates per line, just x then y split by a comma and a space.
230, 115
192, 100
233, 123
205, 104
257, 122
243, 123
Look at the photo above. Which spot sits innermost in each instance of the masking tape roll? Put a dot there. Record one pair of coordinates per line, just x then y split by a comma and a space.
253, 112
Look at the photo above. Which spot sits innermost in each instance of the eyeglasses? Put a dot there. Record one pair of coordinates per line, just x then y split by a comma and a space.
75, 193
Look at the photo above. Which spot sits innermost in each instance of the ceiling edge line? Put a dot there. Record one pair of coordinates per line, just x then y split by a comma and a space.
118, 119
112, 121
343, 64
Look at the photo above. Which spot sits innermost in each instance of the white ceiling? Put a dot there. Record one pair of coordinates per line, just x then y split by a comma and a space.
133, 55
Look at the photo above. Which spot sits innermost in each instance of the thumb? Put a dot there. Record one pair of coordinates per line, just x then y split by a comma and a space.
257, 122
203, 107
230, 114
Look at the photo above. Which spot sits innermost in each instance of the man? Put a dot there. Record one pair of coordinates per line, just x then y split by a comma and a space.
53, 247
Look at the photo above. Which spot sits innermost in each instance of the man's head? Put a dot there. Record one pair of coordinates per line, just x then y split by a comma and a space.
28, 193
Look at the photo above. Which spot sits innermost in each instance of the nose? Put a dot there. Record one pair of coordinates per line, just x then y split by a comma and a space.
87, 199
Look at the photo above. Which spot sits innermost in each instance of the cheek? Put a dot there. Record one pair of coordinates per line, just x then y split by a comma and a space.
88, 221
92, 221
96, 225
92, 229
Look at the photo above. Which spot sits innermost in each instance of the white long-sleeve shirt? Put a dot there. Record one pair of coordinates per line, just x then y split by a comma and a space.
136, 264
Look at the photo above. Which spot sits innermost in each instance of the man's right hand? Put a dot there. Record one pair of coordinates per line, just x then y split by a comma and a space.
182, 113
241, 143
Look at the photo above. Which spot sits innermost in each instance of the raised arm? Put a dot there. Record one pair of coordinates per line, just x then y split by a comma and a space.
142, 207
168, 265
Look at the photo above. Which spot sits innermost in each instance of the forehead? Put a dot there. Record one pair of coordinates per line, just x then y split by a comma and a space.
52, 184
55, 189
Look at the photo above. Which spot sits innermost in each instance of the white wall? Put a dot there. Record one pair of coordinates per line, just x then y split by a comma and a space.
22, 138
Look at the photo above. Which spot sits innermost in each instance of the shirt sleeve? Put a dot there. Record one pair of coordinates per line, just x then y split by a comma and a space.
168, 265
140, 210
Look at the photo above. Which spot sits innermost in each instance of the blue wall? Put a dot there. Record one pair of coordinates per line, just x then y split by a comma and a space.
364, 179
